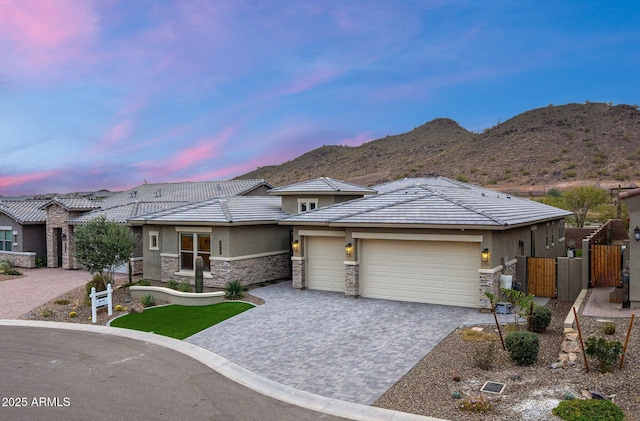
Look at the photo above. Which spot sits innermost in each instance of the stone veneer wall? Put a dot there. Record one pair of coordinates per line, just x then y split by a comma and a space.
19, 259
352, 270
137, 265
56, 215
248, 271
298, 272
489, 282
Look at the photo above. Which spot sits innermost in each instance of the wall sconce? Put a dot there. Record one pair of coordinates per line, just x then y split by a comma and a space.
636, 233
64, 237
295, 246
348, 249
486, 256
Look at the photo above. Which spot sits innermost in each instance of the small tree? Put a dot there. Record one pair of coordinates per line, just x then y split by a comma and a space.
102, 246
580, 200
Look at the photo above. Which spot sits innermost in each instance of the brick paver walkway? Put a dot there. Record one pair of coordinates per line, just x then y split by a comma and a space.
19, 296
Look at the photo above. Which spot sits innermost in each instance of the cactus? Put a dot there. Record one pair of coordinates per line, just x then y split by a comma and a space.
199, 270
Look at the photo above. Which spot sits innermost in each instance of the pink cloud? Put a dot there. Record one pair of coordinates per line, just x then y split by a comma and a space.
17, 184
116, 134
41, 33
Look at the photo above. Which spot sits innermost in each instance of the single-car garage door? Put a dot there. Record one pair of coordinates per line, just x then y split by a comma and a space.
434, 272
325, 263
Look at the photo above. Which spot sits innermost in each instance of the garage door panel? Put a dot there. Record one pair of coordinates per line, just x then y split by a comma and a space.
432, 272
325, 263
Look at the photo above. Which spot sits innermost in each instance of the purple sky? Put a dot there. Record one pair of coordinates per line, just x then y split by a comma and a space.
107, 94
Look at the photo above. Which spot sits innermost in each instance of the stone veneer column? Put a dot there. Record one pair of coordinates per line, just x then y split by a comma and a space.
489, 281
170, 264
298, 272
352, 272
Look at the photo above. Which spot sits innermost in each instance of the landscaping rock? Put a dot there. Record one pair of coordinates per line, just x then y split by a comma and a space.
136, 308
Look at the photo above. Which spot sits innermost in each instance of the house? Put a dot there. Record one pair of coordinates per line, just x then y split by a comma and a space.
431, 239
63, 214
238, 238
22, 232
631, 199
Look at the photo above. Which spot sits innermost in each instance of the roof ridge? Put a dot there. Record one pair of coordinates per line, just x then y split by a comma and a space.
224, 205
471, 208
409, 199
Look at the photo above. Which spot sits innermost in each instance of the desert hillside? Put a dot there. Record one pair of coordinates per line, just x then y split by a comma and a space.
554, 146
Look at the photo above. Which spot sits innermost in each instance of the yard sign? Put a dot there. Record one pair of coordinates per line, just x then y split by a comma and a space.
100, 299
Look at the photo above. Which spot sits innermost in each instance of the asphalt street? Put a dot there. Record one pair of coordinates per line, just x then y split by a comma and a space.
54, 374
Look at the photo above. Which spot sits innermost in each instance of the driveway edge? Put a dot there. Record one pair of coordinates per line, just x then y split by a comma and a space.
240, 375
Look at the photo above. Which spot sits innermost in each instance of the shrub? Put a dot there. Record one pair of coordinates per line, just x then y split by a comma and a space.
233, 290
172, 284
456, 395
484, 355
606, 352
523, 347
13, 272
73, 314
143, 283
47, 312
41, 262
148, 300
5, 265
590, 409
540, 318
609, 328
475, 404
62, 302
184, 287
96, 282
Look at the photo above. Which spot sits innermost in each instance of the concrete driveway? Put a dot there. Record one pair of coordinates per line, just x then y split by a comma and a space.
338, 347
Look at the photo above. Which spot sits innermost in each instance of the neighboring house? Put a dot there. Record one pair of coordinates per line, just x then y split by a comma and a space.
238, 238
631, 199
431, 240
22, 232
63, 214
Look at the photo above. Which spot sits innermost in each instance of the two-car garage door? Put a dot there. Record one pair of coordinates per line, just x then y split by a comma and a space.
435, 272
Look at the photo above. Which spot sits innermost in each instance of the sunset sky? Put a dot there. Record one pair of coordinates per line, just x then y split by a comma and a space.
109, 93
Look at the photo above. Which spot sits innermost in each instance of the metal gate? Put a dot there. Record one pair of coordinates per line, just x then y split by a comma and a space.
541, 277
606, 266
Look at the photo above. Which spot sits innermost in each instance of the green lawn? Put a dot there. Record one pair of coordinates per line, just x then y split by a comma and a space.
180, 321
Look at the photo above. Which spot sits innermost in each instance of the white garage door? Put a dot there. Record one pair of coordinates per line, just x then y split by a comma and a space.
422, 271
325, 263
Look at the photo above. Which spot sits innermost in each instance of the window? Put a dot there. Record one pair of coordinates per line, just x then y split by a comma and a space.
153, 240
6, 240
192, 246
307, 204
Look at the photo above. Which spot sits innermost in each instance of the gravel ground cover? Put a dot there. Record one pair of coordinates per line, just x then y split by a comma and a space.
530, 392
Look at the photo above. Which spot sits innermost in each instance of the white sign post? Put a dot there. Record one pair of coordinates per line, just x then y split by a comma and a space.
100, 299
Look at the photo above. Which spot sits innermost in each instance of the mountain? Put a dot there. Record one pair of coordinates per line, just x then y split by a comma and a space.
541, 148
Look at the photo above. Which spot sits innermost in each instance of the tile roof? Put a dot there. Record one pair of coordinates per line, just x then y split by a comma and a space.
187, 191
230, 210
122, 213
25, 211
433, 201
74, 203
322, 185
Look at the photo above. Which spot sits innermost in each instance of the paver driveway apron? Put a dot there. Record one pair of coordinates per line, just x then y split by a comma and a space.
338, 347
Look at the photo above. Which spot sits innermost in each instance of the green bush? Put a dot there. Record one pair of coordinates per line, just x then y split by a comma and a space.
97, 282
5, 265
540, 318
184, 287
588, 410
606, 352
148, 300
47, 312
41, 262
13, 272
172, 284
143, 283
233, 290
609, 328
523, 347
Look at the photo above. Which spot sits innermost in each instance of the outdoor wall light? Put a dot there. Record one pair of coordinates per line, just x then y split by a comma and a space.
348, 249
486, 255
295, 246
64, 237
636, 233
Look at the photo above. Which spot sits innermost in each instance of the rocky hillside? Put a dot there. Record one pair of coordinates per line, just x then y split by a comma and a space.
551, 146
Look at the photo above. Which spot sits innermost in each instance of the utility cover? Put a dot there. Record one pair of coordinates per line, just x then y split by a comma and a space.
493, 387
